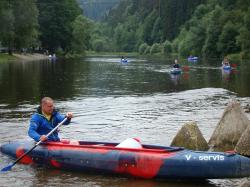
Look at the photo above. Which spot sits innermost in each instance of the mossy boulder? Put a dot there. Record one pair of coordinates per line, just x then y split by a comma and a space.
190, 137
230, 128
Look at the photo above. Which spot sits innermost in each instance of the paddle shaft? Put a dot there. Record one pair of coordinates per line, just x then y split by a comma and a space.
53, 130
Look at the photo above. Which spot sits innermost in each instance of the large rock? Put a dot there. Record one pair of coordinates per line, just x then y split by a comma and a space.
230, 128
243, 145
190, 137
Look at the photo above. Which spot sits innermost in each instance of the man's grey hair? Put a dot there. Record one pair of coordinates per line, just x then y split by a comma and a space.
44, 100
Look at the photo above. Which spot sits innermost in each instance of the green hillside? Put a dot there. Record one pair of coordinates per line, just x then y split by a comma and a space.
208, 28
97, 9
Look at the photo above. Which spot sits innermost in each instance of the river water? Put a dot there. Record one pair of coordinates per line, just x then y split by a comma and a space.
112, 101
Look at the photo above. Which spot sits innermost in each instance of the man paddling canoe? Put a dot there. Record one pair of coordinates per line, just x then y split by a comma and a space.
45, 119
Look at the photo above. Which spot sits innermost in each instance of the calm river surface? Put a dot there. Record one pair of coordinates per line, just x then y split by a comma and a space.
112, 101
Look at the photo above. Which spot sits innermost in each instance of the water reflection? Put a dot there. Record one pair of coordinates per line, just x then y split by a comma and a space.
29, 176
226, 74
50, 177
113, 101
29, 81
175, 78
185, 75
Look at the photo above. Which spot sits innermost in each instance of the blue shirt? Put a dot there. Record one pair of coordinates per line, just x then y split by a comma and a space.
40, 125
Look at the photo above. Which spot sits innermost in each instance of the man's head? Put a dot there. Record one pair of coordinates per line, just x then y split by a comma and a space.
47, 105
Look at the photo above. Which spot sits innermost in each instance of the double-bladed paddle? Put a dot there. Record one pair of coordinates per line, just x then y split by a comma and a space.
8, 168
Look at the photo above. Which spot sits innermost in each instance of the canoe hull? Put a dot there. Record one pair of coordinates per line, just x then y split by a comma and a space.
150, 162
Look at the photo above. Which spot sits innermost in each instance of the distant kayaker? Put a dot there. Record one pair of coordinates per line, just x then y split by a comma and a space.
45, 119
176, 64
123, 58
225, 62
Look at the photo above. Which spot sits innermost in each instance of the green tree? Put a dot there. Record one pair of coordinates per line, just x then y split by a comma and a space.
213, 31
244, 37
156, 21
194, 38
55, 20
183, 47
26, 24
99, 40
156, 48
125, 38
243, 5
227, 39
7, 25
156, 34
19, 27
227, 4
147, 50
142, 48
99, 45
174, 14
149, 21
167, 47
80, 35
118, 36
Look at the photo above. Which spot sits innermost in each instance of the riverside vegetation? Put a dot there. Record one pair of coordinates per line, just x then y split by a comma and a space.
205, 28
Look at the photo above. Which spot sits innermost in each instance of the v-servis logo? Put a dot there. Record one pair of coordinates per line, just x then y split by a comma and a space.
206, 157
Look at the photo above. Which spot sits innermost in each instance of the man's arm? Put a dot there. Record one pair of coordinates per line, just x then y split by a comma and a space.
33, 131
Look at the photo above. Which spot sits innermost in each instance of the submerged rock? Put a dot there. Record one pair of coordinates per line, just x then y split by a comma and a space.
230, 128
190, 137
247, 108
243, 145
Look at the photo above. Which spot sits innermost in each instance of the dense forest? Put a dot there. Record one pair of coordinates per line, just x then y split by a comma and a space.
54, 26
19, 24
97, 9
138, 24
208, 28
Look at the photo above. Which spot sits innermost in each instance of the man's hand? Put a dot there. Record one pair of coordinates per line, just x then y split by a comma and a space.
69, 115
43, 138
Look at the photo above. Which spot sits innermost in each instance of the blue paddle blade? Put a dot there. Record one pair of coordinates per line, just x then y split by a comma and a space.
7, 168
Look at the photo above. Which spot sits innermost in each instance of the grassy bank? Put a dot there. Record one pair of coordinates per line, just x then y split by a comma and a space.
6, 58
21, 57
30, 57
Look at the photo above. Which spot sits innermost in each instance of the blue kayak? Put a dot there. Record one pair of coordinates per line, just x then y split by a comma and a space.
175, 71
124, 60
193, 59
149, 161
226, 67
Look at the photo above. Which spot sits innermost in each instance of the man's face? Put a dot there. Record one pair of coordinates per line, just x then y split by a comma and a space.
48, 107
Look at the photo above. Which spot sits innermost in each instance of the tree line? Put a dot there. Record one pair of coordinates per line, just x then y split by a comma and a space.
208, 28
217, 28
145, 25
53, 25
